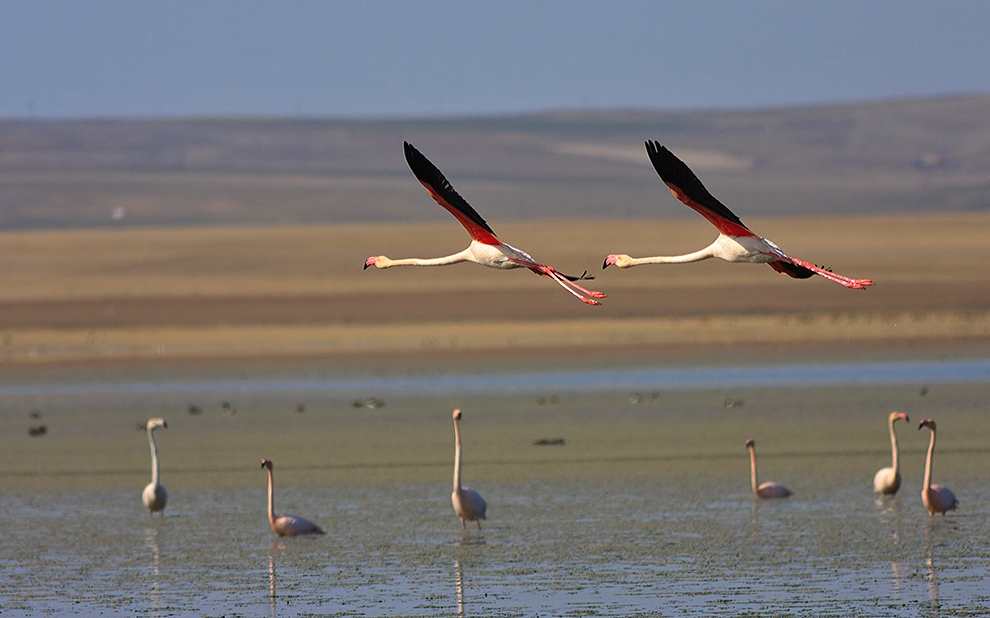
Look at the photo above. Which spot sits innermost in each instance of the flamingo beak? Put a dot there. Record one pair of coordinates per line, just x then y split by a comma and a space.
370, 262
609, 261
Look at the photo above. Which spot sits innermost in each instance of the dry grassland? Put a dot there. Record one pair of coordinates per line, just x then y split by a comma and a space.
214, 293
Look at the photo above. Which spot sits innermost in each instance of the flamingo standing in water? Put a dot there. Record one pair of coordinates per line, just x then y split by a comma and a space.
735, 242
468, 504
154, 495
485, 248
764, 490
888, 480
937, 498
286, 525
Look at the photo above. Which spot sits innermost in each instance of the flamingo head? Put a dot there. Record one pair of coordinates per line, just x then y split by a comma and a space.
898, 416
373, 260
266, 464
929, 423
457, 414
750, 443
155, 423
617, 259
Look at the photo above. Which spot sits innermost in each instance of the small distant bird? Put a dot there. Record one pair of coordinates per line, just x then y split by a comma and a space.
468, 504
888, 480
937, 498
485, 248
154, 496
735, 242
764, 490
286, 525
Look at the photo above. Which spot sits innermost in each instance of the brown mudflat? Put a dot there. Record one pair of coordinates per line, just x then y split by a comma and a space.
229, 293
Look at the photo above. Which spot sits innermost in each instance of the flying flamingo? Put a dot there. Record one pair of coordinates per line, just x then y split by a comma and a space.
154, 495
937, 498
888, 480
485, 248
764, 490
735, 242
286, 525
468, 504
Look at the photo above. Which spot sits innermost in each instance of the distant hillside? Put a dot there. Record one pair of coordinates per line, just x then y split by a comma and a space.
893, 156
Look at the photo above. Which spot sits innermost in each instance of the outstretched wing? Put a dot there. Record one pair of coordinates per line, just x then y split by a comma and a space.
443, 192
687, 188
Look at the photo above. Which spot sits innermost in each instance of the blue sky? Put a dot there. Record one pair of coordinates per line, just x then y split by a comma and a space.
96, 58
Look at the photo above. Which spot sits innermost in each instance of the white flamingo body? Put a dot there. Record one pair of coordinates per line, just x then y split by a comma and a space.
763, 490
735, 242
286, 525
485, 248
936, 498
154, 495
888, 480
468, 504
753, 249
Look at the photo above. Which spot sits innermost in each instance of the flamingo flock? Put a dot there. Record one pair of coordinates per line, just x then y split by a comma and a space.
735, 243
470, 506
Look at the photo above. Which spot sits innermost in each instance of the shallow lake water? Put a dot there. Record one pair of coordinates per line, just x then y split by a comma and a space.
639, 504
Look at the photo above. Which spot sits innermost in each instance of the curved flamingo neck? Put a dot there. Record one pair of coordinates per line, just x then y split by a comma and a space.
928, 462
893, 447
752, 470
457, 456
271, 498
154, 457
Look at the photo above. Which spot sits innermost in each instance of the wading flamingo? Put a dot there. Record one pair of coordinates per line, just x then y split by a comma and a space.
888, 480
154, 495
735, 242
764, 490
937, 498
468, 504
286, 525
485, 248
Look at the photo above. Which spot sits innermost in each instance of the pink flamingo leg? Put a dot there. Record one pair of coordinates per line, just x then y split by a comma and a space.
856, 284
570, 286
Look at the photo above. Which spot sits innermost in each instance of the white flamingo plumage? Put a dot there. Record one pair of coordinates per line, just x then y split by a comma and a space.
485, 248
735, 242
888, 480
468, 504
937, 498
286, 525
154, 495
768, 489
